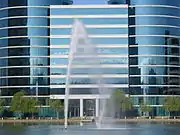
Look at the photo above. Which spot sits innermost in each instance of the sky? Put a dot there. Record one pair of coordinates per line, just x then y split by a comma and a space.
89, 2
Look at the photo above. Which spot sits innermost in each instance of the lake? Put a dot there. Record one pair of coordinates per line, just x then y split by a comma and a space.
90, 129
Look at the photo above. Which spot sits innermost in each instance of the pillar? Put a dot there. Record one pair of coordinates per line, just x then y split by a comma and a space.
97, 107
81, 107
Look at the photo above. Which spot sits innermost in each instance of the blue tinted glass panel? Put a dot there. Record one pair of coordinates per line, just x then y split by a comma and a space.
150, 20
154, 70
25, 12
39, 41
27, 41
23, 32
57, 80
64, 31
60, 21
155, 60
65, 41
63, 71
47, 2
88, 11
3, 3
28, 21
149, 40
156, 31
39, 51
110, 40
39, 61
3, 23
154, 2
114, 61
89, 80
156, 80
57, 61
157, 11
99, 50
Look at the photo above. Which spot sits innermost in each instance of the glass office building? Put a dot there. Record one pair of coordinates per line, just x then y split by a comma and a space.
138, 41
154, 45
24, 47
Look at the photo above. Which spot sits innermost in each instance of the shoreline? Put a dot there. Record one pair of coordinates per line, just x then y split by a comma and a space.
70, 121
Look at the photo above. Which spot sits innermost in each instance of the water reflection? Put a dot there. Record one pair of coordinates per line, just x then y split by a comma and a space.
145, 128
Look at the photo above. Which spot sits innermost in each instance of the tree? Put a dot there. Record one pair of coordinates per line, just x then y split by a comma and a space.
2, 108
145, 108
17, 103
120, 102
30, 106
57, 105
171, 104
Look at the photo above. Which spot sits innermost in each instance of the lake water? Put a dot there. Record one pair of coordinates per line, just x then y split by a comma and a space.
89, 129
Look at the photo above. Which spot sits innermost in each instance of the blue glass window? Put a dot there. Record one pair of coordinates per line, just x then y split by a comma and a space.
66, 41
65, 21
156, 31
65, 51
157, 11
67, 31
151, 20
88, 11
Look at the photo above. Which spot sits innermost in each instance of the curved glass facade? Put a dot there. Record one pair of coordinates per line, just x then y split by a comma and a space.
154, 51
144, 35
24, 46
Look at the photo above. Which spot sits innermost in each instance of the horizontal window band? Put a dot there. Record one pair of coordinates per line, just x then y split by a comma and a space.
73, 76
155, 86
90, 16
74, 66
18, 17
155, 6
67, 56
15, 7
69, 36
97, 45
89, 6
71, 86
91, 86
70, 26
16, 27
93, 26
170, 36
63, 46
14, 37
94, 36
166, 26
165, 16
154, 75
13, 47
170, 46
150, 55
154, 65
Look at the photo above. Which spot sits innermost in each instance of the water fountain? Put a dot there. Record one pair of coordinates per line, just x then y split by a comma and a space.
83, 53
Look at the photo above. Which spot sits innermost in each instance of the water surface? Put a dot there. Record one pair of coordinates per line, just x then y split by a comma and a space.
90, 129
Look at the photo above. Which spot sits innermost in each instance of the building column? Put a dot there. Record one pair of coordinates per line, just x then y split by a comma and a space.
81, 107
97, 107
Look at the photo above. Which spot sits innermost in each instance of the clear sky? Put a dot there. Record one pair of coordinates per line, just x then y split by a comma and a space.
89, 2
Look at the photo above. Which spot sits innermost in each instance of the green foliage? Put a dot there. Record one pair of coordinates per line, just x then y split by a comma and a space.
21, 104
172, 104
57, 105
120, 101
2, 108
145, 108
17, 103
30, 105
